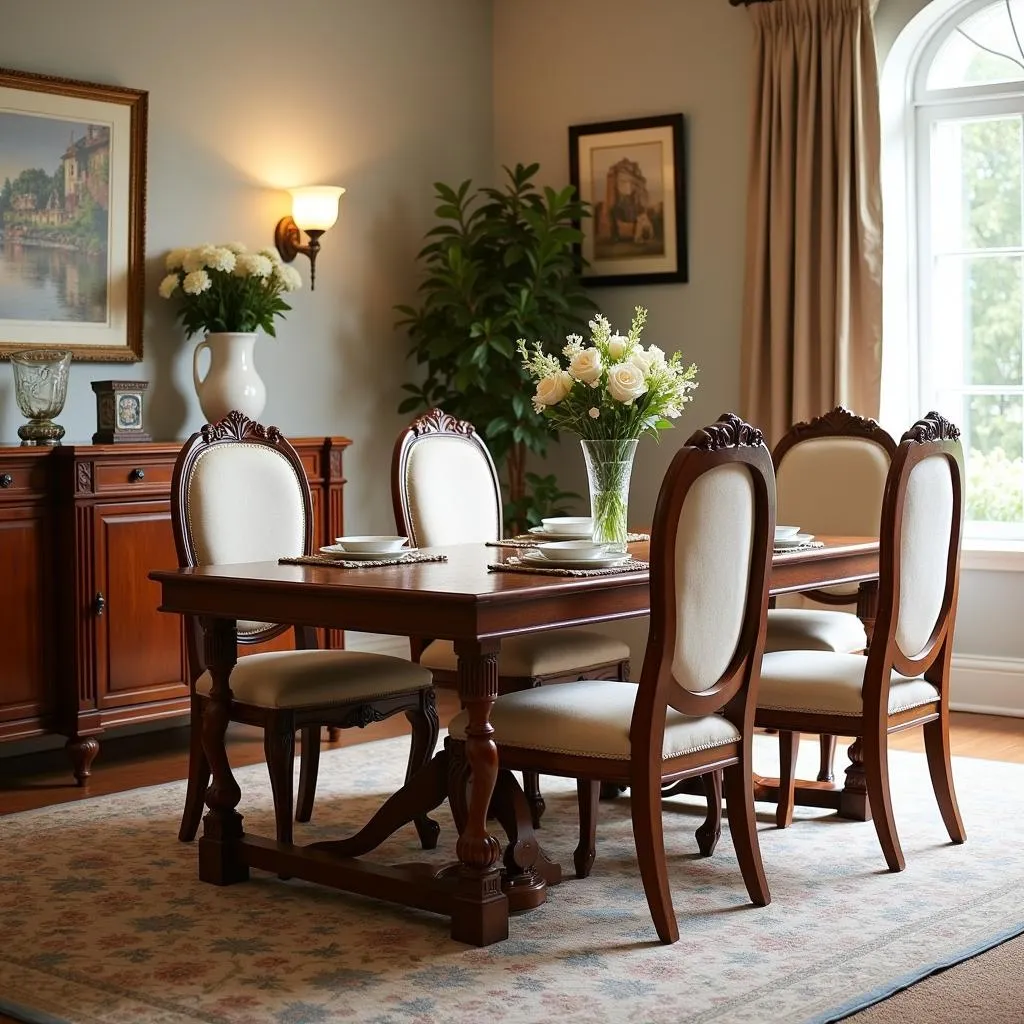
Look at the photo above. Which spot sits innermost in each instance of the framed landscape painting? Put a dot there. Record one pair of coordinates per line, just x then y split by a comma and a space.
72, 216
632, 173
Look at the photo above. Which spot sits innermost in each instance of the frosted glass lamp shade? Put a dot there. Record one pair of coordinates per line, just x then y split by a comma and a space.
315, 208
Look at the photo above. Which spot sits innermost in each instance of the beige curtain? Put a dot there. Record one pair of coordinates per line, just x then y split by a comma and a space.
813, 297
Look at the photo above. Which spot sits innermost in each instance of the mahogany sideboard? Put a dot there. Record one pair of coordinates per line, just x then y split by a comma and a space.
84, 647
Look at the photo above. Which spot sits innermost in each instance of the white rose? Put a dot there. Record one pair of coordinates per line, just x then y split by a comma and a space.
641, 360
617, 346
626, 383
594, 412
551, 390
657, 355
586, 365
168, 286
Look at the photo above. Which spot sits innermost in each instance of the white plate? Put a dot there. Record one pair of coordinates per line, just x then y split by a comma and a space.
785, 532
794, 542
539, 531
338, 552
535, 558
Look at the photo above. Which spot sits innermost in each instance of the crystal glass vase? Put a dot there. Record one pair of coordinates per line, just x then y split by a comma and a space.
40, 387
609, 465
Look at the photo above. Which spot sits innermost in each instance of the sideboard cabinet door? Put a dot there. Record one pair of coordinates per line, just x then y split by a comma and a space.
139, 650
26, 691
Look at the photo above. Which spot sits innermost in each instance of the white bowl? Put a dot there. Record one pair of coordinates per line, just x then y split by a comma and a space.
785, 532
371, 544
568, 524
573, 550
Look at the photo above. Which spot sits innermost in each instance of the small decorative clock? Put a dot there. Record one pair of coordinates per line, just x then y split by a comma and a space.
119, 411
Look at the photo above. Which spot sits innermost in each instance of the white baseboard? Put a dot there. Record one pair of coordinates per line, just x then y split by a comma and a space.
989, 686
377, 643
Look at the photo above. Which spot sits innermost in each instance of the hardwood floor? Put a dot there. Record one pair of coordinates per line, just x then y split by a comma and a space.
154, 758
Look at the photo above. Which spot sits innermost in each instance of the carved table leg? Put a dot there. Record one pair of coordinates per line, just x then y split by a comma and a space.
219, 862
853, 802
867, 606
480, 908
82, 750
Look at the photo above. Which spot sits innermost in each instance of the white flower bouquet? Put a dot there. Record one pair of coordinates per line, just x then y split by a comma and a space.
612, 392
227, 288
612, 389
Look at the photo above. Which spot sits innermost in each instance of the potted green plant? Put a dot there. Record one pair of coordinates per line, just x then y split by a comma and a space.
500, 266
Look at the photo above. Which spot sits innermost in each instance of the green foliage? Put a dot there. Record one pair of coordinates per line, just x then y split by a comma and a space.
543, 497
499, 266
992, 169
995, 487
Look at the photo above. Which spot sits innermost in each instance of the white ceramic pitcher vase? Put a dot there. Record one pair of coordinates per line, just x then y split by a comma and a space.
231, 380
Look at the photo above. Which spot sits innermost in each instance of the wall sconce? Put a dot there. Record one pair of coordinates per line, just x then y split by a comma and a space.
314, 210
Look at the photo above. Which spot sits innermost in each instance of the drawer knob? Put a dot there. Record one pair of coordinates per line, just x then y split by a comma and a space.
99, 603
6, 480
138, 473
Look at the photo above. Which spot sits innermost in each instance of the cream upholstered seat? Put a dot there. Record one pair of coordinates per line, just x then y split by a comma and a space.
445, 491
543, 654
830, 473
831, 684
814, 629
691, 713
592, 719
239, 494
302, 679
904, 679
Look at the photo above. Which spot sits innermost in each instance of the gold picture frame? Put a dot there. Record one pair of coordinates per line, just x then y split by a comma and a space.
72, 216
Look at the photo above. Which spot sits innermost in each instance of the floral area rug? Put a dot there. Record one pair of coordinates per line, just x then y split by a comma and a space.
103, 919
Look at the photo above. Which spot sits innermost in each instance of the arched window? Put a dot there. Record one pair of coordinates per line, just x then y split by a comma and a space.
963, 196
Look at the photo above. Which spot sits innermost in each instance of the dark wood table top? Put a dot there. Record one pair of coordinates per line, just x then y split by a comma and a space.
460, 597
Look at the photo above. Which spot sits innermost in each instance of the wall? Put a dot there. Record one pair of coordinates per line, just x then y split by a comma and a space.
244, 100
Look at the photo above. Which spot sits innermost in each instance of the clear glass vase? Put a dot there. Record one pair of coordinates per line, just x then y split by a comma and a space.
609, 465
40, 388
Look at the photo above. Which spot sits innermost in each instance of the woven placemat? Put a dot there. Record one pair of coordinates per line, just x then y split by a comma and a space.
802, 547
532, 540
513, 564
341, 563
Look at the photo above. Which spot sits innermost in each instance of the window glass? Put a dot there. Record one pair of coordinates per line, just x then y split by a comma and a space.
986, 48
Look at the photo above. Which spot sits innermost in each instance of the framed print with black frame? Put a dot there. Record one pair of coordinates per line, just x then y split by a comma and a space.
632, 173
72, 216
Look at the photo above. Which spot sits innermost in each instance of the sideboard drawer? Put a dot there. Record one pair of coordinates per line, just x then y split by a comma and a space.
21, 478
122, 473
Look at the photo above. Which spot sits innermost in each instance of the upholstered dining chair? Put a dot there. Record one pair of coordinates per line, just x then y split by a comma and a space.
903, 680
830, 476
445, 491
693, 710
239, 494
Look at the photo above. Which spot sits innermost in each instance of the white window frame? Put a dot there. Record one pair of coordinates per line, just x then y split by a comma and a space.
908, 112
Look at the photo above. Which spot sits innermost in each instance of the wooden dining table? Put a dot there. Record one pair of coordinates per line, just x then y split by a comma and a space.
459, 599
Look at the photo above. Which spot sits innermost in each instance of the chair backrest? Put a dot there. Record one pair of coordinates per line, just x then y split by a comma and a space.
444, 485
239, 494
919, 552
710, 563
830, 473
